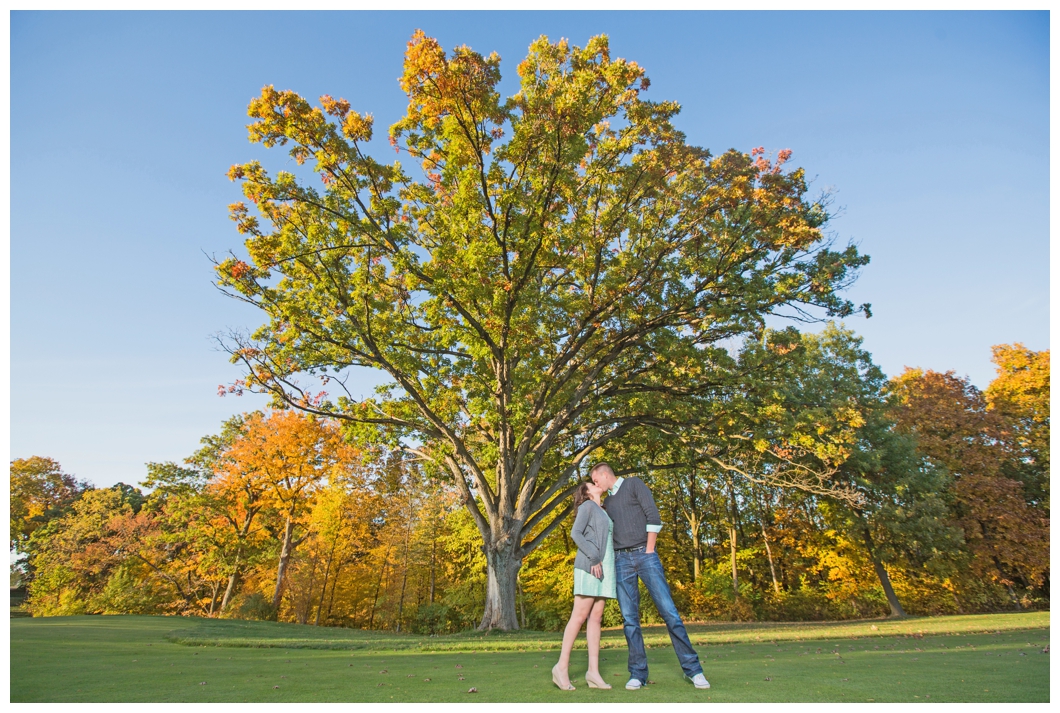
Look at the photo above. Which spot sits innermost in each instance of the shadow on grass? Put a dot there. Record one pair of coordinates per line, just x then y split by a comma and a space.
263, 634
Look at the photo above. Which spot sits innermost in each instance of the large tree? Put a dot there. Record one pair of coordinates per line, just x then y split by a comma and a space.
564, 275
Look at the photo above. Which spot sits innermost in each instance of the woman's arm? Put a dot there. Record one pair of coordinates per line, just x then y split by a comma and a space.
577, 533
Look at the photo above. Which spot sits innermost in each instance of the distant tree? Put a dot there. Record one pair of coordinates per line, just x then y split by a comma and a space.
1020, 394
896, 520
40, 492
75, 555
200, 537
1007, 539
536, 297
811, 414
275, 465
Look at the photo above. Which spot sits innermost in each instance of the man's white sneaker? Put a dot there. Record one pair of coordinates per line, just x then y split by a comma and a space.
699, 681
634, 684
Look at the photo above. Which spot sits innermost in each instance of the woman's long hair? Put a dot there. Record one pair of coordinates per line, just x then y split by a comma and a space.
581, 494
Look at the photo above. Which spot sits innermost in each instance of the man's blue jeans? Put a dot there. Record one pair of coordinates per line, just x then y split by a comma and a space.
629, 566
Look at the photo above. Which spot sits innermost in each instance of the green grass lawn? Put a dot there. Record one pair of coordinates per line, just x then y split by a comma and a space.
981, 658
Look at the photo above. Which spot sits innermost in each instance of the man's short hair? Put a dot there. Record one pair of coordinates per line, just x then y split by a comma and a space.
600, 466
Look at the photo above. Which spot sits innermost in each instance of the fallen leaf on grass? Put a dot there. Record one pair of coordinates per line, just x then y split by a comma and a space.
472, 690
426, 679
275, 686
459, 666
770, 678
203, 683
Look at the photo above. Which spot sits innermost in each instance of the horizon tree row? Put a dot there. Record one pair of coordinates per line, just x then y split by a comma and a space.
283, 516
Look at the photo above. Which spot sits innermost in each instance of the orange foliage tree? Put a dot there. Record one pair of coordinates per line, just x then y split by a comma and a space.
276, 465
1007, 538
1020, 394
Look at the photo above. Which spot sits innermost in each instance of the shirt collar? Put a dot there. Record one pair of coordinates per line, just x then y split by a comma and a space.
614, 488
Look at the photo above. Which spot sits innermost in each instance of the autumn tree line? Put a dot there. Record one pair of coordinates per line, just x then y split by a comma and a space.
284, 516
543, 281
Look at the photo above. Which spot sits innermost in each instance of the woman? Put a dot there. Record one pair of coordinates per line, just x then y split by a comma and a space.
594, 584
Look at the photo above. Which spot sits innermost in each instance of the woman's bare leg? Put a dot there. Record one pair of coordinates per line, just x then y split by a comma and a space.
582, 607
592, 635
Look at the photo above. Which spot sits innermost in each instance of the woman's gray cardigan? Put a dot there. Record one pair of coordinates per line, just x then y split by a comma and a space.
591, 529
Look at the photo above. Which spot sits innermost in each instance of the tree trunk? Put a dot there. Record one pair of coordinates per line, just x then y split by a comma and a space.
697, 553
1013, 597
213, 597
230, 589
285, 559
244, 530
732, 540
522, 602
885, 581
378, 586
434, 547
732, 555
334, 583
502, 572
765, 538
324, 586
769, 556
303, 612
404, 573
401, 599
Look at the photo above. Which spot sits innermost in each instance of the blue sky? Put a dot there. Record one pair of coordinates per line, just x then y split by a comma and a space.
932, 129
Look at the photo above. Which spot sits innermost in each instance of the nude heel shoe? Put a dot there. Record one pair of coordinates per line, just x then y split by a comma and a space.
595, 682
559, 684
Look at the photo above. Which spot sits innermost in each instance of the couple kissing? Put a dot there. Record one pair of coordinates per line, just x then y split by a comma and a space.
616, 548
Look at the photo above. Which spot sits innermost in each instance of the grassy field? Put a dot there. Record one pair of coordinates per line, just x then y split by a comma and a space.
982, 658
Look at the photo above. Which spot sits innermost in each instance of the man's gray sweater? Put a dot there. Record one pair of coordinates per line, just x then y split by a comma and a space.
632, 509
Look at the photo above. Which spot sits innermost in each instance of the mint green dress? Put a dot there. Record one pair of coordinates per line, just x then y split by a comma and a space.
587, 585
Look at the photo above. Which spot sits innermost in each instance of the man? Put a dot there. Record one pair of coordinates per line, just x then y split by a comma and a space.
631, 507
